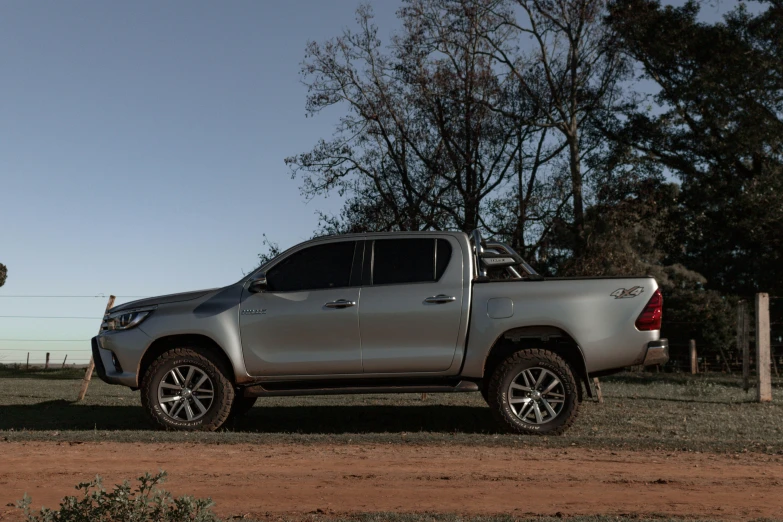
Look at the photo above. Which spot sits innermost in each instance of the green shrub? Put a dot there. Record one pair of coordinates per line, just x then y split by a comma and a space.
144, 503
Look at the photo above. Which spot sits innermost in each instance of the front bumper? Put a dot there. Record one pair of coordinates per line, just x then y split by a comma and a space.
97, 358
105, 347
657, 352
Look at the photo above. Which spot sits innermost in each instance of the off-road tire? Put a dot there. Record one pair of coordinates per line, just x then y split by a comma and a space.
219, 410
509, 369
242, 405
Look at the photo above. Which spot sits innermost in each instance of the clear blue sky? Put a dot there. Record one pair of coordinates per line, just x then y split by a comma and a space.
142, 147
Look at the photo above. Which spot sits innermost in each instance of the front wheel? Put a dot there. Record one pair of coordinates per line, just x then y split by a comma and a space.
534, 392
186, 389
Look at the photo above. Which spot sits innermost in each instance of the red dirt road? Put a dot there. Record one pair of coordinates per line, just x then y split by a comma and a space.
291, 479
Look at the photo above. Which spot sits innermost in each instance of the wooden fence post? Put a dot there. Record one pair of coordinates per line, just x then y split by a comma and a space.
66, 358
91, 365
598, 391
28, 361
764, 377
46, 366
694, 358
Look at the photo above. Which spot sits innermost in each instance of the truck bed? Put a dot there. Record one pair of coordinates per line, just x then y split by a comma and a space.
582, 308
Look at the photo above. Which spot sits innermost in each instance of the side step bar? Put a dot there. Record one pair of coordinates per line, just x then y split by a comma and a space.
277, 390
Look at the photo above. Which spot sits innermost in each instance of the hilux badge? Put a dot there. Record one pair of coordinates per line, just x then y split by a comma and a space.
622, 293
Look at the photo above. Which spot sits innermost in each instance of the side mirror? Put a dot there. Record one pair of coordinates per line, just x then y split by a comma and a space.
257, 285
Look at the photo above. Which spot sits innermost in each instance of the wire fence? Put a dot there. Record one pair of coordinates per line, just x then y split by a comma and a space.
28, 338
680, 361
725, 356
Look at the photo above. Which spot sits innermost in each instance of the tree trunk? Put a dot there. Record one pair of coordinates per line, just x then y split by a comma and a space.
576, 189
471, 215
518, 241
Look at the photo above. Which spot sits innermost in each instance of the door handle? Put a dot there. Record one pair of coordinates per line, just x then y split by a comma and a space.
340, 303
440, 298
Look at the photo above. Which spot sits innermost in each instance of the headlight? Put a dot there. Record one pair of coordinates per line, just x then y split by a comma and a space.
125, 319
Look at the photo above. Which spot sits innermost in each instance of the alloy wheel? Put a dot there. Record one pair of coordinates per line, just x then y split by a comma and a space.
186, 393
536, 395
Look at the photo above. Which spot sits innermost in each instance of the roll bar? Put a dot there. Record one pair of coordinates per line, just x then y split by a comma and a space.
494, 254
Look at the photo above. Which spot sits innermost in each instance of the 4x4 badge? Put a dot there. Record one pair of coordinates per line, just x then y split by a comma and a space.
622, 293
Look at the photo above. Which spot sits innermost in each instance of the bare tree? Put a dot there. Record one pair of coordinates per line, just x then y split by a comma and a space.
369, 153
421, 146
456, 125
570, 74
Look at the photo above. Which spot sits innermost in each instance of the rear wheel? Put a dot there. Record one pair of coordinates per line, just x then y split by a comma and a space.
187, 389
534, 392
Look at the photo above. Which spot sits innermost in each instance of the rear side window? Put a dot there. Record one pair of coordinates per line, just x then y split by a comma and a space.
314, 268
398, 261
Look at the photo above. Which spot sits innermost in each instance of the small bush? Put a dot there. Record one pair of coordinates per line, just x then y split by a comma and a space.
144, 503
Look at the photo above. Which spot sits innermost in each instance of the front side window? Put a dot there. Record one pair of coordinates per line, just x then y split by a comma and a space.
314, 268
417, 260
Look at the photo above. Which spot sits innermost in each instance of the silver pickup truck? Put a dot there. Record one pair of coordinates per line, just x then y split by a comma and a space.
384, 313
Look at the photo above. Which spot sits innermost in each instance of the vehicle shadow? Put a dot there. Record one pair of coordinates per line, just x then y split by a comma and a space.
332, 419
366, 419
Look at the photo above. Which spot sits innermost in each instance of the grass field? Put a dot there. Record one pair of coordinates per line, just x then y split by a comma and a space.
641, 411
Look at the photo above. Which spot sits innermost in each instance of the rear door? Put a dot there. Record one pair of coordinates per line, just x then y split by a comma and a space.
306, 322
411, 304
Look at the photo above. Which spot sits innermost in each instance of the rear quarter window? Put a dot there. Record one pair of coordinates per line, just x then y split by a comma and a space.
414, 260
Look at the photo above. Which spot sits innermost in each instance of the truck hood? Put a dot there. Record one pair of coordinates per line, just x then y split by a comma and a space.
163, 299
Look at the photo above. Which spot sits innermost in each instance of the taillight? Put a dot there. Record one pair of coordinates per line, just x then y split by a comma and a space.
650, 318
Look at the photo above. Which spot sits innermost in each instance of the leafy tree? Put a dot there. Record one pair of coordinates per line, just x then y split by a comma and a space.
631, 231
716, 122
3, 274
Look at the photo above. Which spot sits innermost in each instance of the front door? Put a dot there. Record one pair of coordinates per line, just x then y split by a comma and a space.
411, 309
306, 322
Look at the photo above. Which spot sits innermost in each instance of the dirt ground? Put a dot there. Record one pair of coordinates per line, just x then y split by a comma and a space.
290, 479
